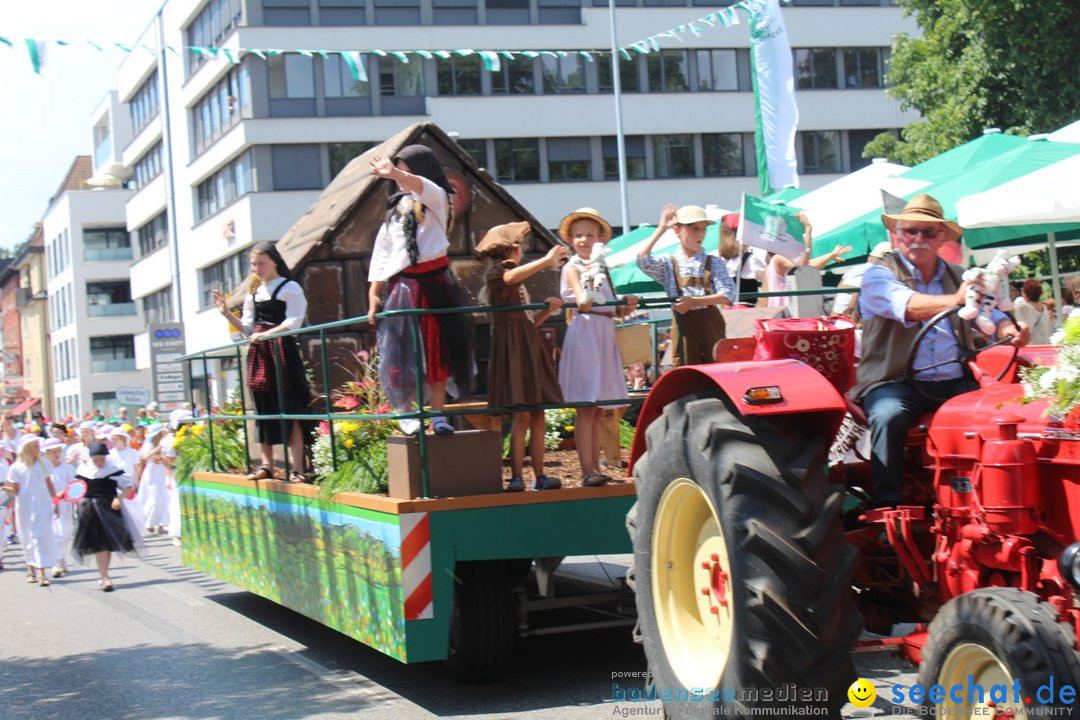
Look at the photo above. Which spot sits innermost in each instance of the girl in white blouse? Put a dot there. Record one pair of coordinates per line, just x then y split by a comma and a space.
410, 269
275, 304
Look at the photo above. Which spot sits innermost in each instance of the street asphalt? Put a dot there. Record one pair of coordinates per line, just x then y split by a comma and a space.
171, 642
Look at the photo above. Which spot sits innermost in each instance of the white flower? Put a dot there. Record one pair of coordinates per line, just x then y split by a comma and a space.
1057, 337
1048, 380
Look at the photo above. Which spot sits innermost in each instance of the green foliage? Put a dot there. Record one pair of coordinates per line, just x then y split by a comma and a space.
626, 434
1009, 64
193, 452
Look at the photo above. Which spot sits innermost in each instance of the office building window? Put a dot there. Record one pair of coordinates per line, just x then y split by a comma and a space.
338, 81
477, 149
147, 167
455, 12
402, 86
459, 75
563, 74
863, 68
635, 157
507, 12
629, 78
219, 108
158, 306
517, 159
112, 353
286, 13
717, 70
296, 167
515, 77
144, 104
106, 244
668, 71
109, 299
558, 12
673, 156
341, 154
821, 152
224, 275
342, 13
152, 235
569, 159
815, 68
291, 78
224, 186
397, 12
210, 27
857, 140
722, 154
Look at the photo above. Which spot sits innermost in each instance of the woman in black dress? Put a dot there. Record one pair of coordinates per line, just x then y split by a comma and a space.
274, 303
103, 528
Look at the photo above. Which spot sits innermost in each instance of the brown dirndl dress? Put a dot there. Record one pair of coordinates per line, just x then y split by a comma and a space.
521, 370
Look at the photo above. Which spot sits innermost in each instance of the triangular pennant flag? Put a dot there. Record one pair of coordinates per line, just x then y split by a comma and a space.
464, 52
259, 53
422, 53
507, 54
549, 53
655, 43
380, 53
357, 63
587, 56
35, 51
530, 53
734, 16
94, 45
400, 56
147, 48
695, 29
323, 54
123, 47
5, 41
707, 20
306, 53
491, 60
444, 54
561, 53
625, 54
231, 56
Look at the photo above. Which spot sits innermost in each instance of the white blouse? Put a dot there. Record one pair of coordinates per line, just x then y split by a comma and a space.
390, 256
292, 295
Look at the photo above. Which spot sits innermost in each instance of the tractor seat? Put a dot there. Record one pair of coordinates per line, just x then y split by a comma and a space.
915, 436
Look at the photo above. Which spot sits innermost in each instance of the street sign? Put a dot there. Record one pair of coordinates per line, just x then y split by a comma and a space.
131, 395
170, 382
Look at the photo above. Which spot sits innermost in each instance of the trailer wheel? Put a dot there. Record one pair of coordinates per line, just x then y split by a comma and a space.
483, 622
997, 636
742, 576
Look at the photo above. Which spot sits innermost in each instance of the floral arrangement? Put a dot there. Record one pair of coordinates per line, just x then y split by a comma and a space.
192, 445
559, 426
360, 445
1059, 382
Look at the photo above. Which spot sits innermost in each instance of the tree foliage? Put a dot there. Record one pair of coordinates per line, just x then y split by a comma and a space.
1010, 64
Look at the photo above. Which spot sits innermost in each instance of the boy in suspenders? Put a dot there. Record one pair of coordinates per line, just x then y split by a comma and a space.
699, 281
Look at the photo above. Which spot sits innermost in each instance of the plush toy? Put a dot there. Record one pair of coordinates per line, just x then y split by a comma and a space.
992, 293
593, 273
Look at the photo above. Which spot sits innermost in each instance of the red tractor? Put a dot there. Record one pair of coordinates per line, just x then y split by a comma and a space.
757, 567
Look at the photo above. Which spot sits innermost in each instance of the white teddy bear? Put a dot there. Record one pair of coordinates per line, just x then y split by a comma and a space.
993, 292
593, 274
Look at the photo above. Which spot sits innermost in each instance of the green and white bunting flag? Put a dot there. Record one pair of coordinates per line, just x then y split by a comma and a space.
770, 227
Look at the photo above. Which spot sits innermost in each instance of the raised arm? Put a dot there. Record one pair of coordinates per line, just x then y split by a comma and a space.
522, 273
667, 221
385, 168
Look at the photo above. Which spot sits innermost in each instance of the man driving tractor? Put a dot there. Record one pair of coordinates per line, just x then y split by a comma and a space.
910, 286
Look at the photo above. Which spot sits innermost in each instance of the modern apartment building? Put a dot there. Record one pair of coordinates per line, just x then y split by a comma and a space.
93, 319
252, 142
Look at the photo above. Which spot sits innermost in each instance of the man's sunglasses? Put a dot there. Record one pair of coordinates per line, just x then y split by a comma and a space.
912, 233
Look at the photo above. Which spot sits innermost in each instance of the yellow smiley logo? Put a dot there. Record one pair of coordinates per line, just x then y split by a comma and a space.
861, 693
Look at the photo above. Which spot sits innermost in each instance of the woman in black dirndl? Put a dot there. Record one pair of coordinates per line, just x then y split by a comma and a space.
275, 303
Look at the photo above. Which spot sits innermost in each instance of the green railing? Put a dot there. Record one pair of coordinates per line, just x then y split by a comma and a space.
233, 350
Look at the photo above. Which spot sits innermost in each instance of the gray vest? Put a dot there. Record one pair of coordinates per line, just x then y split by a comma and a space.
886, 344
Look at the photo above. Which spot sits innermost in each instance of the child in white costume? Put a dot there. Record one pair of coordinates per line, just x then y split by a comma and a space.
127, 459
64, 519
30, 479
153, 495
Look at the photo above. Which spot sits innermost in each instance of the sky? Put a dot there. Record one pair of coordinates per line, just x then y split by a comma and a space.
45, 120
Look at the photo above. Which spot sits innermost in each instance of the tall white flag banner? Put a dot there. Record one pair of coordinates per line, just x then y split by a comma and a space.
774, 96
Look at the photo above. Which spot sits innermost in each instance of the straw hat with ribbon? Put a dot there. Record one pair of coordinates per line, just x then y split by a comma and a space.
923, 208
585, 213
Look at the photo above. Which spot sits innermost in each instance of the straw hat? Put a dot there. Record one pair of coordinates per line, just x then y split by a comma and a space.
500, 239
690, 214
585, 213
119, 432
923, 208
28, 439
51, 444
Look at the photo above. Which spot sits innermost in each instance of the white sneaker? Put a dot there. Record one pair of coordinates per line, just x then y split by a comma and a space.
409, 426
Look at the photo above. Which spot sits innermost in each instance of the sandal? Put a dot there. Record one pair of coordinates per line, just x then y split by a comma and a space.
106, 585
44, 582
547, 483
594, 480
263, 473
297, 477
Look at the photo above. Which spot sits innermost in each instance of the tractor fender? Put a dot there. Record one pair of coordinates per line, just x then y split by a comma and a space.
803, 390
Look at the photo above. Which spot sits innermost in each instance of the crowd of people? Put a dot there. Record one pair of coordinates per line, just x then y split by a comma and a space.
93, 488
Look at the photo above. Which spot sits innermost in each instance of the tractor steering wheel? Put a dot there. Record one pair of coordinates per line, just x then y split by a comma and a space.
963, 355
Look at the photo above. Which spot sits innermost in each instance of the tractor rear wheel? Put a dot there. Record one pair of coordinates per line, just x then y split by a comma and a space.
995, 636
741, 573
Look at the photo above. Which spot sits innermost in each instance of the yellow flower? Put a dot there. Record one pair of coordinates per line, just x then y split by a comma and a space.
181, 432
348, 426
198, 430
569, 428
349, 442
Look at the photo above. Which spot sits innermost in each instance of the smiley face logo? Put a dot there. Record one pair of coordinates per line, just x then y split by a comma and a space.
861, 693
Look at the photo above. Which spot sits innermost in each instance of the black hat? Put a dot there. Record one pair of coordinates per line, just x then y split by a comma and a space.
98, 448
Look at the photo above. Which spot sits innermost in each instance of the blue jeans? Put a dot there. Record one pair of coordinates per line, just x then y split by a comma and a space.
892, 411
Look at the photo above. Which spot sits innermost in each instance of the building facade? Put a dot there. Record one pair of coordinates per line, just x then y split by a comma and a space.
251, 143
31, 300
93, 319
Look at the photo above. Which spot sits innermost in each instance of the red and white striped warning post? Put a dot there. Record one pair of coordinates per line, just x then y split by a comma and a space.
416, 566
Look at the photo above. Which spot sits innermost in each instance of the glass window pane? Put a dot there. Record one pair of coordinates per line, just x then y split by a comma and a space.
299, 76
275, 68
673, 155
723, 154
717, 70
518, 159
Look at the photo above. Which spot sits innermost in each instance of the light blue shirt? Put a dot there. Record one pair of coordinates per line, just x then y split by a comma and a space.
660, 269
883, 295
